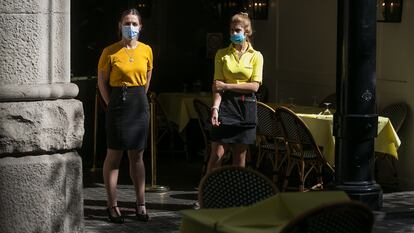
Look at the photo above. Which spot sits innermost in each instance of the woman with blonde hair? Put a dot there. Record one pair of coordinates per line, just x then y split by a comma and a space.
237, 76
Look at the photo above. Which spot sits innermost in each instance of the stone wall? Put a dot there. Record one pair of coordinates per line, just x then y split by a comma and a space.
41, 124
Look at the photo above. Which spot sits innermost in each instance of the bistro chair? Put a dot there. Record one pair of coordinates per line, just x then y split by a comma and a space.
203, 112
331, 98
203, 115
302, 151
231, 186
166, 131
396, 113
262, 94
270, 142
338, 217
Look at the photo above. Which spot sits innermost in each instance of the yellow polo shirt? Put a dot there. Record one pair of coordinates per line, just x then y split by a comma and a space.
126, 66
229, 69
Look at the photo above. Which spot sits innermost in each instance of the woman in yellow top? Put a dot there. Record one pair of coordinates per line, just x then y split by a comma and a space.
237, 76
124, 75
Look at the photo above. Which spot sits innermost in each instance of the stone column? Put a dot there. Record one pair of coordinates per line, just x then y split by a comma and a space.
41, 124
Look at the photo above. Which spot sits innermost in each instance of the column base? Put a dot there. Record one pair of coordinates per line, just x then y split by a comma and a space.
41, 194
371, 195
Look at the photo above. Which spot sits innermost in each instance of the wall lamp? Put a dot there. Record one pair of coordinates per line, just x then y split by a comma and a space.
389, 11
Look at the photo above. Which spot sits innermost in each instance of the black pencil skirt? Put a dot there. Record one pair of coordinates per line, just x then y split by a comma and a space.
127, 119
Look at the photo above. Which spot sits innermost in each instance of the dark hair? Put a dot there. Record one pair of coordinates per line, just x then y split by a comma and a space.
131, 11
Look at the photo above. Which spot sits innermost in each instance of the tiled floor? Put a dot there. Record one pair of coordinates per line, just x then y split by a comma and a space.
397, 215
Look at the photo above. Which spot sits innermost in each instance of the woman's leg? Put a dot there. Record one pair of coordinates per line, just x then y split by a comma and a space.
239, 155
137, 173
110, 175
216, 156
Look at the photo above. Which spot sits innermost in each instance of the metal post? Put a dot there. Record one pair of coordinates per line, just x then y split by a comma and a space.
95, 128
154, 187
356, 120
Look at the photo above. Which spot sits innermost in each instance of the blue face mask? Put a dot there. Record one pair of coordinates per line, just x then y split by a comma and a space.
130, 32
237, 38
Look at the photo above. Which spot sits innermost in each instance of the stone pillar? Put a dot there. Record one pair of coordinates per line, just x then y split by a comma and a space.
41, 124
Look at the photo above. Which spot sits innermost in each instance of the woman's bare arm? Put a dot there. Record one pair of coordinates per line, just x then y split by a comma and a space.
103, 85
250, 87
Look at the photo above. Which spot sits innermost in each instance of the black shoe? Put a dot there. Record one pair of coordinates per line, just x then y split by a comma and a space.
141, 217
117, 218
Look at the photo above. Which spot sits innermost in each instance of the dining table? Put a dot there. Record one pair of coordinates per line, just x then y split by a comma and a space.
321, 128
178, 106
179, 109
266, 216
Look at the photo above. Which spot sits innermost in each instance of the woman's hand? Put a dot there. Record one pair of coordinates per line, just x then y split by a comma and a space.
214, 117
219, 86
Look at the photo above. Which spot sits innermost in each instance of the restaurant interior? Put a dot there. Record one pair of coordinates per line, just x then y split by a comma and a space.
298, 39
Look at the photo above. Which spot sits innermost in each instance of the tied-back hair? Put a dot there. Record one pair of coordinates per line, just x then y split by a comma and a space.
243, 19
131, 11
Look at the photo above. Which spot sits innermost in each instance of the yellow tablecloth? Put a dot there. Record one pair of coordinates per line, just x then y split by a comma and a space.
321, 127
179, 106
269, 215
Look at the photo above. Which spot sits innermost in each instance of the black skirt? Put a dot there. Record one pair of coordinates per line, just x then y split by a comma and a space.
235, 127
127, 119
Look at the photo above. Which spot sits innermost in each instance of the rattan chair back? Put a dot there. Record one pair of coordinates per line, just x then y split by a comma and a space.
396, 112
266, 121
270, 142
339, 217
302, 151
163, 125
296, 133
231, 186
331, 98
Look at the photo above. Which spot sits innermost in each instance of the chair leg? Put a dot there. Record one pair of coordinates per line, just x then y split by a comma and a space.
288, 172
275, 170
249, 160
302, 176
278, 162
205, 160
394, 169
386, 160
320, 177
259, 158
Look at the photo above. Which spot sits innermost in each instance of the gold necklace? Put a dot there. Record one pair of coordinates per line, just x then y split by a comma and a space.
131, 58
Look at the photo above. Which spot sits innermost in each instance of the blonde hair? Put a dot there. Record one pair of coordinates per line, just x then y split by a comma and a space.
243, 19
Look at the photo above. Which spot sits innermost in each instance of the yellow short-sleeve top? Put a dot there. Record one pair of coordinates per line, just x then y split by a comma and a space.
126, 67
230, 69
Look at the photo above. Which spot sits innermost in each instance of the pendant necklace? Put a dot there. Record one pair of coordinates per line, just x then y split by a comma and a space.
131, 58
